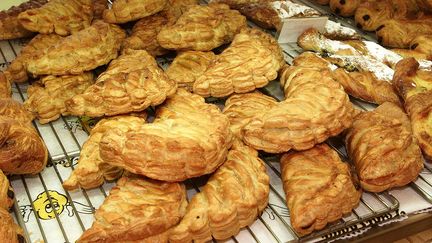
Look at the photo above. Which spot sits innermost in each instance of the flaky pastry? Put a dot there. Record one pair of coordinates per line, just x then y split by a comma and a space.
131, 83
345, 8
123, 11
10, 232
232, 198
7, 194
99, 7
398, 33
405, 53
10, 108
5, 86
370, 15
422, 44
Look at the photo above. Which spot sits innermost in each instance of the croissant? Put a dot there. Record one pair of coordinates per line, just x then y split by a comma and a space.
188, 66
399, 33
414, 86
131, 83
123, 11
62, 17
250, 62
188, 138
7, 194
12, 109
46, 98
82, 51
5, 86
139, 210
370, 15
9, 231
319, 188
91, 170
232, 198
422, 44
202, 28
345, 8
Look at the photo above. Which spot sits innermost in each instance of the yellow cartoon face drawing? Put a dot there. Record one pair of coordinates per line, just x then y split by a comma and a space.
43, 206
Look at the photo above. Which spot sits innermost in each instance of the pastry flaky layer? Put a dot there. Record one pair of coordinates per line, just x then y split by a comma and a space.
251, 61
123, 11
7, 194
10, 232
399, 33
82, 51
91, 170
5, 86
233, 198
319, 188
138, 209
62, 17
202, 28
415, 87
188, 138
383, 148
131, 83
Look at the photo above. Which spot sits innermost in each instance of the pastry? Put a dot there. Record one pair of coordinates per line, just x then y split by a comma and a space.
405, 53
415, 87
17, 70
241, 108
12, 109
62, 17
345, 8
7, 194
316, 108
131, 83
232, 198
188, 138
46, 98
10, 232
123, 11
137, 210
370, 15
319, 188
5, 86
91, 170
422, 44
251, 61
188, 66
202, 28
10, 28
336, 31
82, 51
99, 7
399, 33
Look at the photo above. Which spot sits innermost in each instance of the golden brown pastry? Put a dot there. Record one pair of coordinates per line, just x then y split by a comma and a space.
233, 198
202, 28
422, 44
10, 28
62, 17
188, 138
99, 7
46, 98
137, 209
7, 194
383, 148
131, 83
319, 188
188, 66
345, 8
250, 62
9, 231
10, 108
415, 87
316, 108
371, 14
123, 11
91, 170
405, 53
336, 31
398, 33
5, 86
80, 52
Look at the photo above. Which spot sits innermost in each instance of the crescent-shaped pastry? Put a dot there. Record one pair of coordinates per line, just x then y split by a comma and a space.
415, 87
383, 148
319, 188
91, 170
202, 28
12, 109
9, 231
83, 51
5, 86
7, 194
233, 198
188, 138
138, 210
370, 15
62, 17
345, 8
188, 66
251, 61
131, 83
123, 11
398, 33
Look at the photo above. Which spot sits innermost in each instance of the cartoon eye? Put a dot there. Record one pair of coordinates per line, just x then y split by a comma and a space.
48, 208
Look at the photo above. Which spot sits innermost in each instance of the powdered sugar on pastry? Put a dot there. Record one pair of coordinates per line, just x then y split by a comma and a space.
288, 9
335, 29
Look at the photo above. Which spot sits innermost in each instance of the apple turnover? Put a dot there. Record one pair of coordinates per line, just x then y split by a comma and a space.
233, 198
319, 188
10, 232
7, 194
251, 61
131, 83
188, 138
5, 86
138, 210
79, 52
123, 11
62, 17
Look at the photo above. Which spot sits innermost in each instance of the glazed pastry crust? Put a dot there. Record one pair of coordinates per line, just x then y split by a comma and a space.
370, 15
9, 231
319, 188
422, 44
131, 83
250, 62
232, 198
123, 11
188, 66
62, 17
5, 86
82, 51
188, 138
7, 194
137, 208
12, 109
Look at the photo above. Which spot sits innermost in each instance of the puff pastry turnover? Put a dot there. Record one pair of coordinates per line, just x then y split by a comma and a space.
138, 210
188, 138
9, 231
131, 83
62, 17
123, 11
319, 188
82, 51
7, 194
251, 61
233, 198
5, 86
